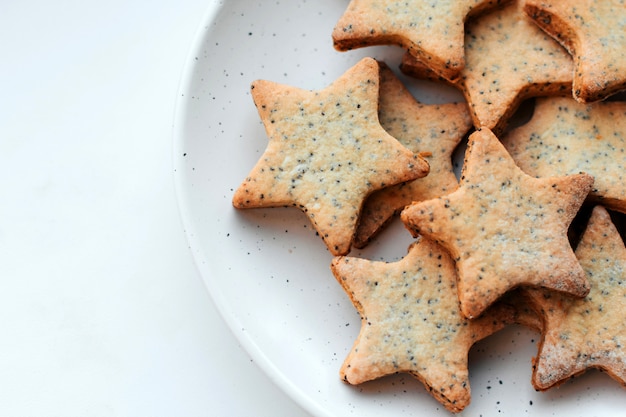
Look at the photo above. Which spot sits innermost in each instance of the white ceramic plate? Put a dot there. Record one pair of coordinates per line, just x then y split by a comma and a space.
267, 270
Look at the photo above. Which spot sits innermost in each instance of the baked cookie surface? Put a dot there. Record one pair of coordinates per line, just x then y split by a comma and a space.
508, 59
566, 137
594, 33
411, 322
434, 131
326, 152
503, 227
590, 332
431, 31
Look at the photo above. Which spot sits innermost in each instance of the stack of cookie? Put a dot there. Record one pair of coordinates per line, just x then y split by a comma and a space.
496, 245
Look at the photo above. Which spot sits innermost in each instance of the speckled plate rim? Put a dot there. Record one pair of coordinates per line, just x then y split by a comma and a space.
246, 341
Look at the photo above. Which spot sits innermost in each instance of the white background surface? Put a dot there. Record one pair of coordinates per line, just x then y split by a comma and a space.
102, 312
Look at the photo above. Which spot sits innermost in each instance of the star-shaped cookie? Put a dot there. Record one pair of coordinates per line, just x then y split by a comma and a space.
411, 322
590, 332
326, 152
503, 227
565, 137
528, 63
431, 31
594, 32
434, 130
